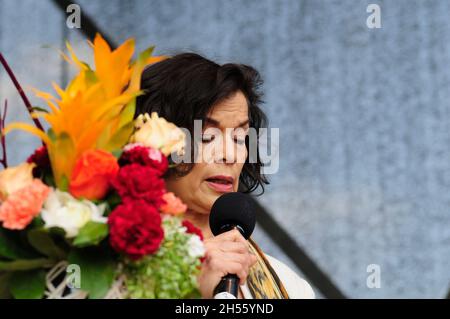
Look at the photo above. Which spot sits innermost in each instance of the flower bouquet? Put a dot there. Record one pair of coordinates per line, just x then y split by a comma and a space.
88, 215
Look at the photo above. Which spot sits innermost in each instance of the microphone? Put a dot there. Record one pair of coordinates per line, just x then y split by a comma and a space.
231, 210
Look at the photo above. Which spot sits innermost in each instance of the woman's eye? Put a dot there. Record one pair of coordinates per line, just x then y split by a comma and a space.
239, 140
207, 138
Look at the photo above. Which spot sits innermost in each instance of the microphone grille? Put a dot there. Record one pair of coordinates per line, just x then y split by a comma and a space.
233, 209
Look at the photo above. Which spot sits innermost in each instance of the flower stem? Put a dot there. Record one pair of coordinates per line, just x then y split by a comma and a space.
21, 92
2, 139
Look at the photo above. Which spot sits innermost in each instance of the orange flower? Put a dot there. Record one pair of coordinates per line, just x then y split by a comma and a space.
96, 110
23, 205
173, 206
92, 174
155, 59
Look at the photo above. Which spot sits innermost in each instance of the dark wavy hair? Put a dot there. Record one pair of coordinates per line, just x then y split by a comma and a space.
185, 87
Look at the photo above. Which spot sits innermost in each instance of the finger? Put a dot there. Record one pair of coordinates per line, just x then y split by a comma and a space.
217, 259
236, 269
243, 259
232, 235
236, 247
244, 269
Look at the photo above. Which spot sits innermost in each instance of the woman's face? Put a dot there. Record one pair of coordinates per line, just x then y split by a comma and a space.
223, 153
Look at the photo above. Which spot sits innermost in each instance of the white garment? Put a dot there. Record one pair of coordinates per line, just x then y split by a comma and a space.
296, 287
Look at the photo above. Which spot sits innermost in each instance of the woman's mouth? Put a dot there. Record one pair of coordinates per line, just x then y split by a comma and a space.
220, 183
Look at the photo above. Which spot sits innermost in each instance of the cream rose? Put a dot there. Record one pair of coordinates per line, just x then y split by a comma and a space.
15, 178
159, 134
63, 210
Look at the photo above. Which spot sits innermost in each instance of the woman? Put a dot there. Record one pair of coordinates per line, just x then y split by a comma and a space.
188, 87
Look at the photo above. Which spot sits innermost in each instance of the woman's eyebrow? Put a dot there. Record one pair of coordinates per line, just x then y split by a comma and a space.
211, 121
246, 122
216, 123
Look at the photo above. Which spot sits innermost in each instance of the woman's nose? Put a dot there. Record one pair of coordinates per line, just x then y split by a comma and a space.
229, 150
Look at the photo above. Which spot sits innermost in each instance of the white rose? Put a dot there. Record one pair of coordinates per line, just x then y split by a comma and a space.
63, 210
196, 247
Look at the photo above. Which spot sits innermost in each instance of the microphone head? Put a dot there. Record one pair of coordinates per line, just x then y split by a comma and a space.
233, 209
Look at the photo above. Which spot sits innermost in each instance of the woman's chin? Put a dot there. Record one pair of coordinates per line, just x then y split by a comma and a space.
208, 196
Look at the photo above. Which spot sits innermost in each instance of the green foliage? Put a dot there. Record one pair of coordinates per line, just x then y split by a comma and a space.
25, 264
117, 153
97, 270
91, 234
42, 241
27, 284
4, 285
64, 183
170, 273
48, 179
39, 109
11, 246
112, 200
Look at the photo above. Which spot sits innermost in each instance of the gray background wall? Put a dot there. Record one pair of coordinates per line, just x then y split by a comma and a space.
364, 116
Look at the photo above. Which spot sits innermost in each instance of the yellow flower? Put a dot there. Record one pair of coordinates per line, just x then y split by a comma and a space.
159, 134
15, 178
96, 109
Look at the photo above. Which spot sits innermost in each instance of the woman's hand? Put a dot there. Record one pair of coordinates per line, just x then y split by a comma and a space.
226, 253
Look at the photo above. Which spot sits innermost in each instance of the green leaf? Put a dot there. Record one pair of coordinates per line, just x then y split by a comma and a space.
39, 109
10, 247
97, 270
4, 285
91, 234
117, 153
64, 183
91, 77
127, 114
112, 200
38, 222
65, 146
51, 134
28, 284
120, 137
25, 264
49, 180
143, 55
57, 231
41, 240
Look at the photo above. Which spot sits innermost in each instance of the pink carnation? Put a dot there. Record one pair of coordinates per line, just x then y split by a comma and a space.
173, 205
23, 205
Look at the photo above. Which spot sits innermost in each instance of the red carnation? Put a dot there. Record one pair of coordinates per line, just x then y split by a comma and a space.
135, 181
135, 229
41, 159
146, 156
191, 229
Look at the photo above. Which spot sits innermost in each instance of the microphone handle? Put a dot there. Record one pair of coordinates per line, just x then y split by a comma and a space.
227, 287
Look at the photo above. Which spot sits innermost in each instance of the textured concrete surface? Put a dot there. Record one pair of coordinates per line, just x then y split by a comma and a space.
364, 117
